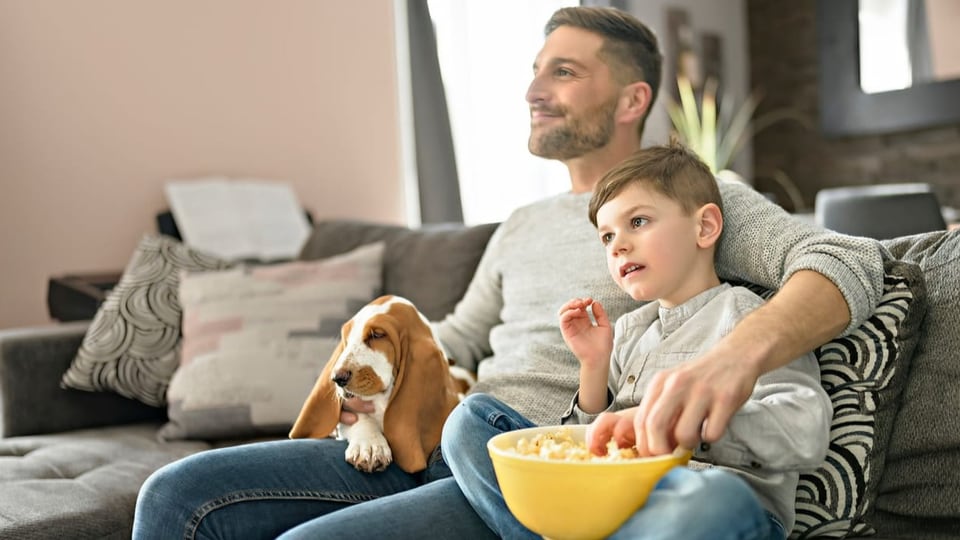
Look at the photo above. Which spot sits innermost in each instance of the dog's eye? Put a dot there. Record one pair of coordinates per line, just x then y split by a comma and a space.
377, 333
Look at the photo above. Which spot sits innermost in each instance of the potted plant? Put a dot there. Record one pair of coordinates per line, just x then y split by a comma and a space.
717, 133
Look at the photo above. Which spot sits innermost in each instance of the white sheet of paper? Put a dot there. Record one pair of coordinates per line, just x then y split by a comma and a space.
239, 218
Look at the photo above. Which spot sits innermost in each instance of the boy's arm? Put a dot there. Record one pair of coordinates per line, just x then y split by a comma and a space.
592, 345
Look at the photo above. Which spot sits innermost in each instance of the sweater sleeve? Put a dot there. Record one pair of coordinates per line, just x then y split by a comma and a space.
764, 245
465, 333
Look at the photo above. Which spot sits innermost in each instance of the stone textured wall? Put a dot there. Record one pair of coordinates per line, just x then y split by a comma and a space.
784, 67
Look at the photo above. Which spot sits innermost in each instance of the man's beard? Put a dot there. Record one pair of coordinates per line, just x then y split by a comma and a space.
578, 136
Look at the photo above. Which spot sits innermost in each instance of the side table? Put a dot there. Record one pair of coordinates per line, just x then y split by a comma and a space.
76, 297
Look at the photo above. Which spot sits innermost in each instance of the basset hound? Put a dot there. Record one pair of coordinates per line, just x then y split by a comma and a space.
388, 355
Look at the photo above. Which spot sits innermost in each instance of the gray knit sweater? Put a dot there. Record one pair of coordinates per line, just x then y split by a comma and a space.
506, 326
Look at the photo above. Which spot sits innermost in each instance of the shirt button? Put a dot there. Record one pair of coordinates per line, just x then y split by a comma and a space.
631, 379
704, 447
755, 465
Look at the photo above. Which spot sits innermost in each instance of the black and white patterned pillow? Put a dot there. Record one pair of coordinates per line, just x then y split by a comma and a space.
130, 347
864, 374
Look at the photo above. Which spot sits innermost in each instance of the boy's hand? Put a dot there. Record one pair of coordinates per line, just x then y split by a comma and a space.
617, 426
591, 344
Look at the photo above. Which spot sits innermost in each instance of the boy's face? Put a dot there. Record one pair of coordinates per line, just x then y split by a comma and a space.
651, 245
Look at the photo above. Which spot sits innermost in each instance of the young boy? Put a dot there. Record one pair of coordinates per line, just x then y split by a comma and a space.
658, 215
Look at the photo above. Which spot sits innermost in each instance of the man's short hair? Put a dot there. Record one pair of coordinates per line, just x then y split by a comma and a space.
672, 170
630, 48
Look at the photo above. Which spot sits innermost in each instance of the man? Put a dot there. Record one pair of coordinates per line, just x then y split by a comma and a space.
592, 88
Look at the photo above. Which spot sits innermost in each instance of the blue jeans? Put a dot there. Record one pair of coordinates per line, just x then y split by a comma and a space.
710, 504
262, 490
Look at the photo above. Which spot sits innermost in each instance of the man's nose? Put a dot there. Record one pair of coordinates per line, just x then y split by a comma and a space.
536, 92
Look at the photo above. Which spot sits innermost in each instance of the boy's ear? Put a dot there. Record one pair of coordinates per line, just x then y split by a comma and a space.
710, 221
635, 101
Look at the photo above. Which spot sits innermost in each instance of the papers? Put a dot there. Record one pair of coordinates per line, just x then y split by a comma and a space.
239, 219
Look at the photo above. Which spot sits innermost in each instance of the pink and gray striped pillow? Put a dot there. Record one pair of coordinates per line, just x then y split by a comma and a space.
256, 338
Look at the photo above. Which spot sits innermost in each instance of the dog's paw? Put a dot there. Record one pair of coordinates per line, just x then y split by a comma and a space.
369, 454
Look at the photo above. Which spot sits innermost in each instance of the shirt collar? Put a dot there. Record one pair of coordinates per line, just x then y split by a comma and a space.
672, 318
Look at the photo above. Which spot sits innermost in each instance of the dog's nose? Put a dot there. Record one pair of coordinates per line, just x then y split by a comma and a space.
342, 377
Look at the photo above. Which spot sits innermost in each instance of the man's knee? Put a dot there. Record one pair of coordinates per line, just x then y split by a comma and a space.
465, 415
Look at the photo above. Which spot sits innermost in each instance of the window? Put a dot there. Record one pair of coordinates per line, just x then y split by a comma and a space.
486, 52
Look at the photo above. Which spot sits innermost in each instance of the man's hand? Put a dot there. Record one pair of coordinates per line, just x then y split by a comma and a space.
680, 407
692, 402
350, 408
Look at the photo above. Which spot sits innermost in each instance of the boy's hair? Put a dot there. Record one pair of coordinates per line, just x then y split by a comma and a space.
672, 170
629, 47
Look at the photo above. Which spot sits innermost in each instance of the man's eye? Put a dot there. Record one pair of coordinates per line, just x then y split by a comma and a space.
638, 222
563, 72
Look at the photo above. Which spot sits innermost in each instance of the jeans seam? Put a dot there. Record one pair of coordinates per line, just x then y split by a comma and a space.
260, 494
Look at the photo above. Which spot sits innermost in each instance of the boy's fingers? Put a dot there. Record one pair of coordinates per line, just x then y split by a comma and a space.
600, 314
599, 432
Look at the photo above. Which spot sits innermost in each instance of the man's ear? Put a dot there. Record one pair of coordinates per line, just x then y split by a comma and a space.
635, 101
710, 221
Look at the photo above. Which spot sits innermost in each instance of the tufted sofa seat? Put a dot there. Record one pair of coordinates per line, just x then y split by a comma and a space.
90, 476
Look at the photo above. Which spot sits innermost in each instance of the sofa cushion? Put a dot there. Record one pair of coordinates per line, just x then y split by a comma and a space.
864, 374
256, 338
921, 480
80, 484
130, 345
430, 266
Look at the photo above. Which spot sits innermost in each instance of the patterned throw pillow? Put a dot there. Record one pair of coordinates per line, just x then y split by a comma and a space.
864, 374
130, 347
256, 338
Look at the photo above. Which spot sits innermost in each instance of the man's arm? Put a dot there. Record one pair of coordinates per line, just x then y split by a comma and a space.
807, 312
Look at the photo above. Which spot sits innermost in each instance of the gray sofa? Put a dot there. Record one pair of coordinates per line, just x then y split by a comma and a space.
71, 462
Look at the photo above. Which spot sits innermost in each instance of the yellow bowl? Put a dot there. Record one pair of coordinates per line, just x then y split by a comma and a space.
573, 500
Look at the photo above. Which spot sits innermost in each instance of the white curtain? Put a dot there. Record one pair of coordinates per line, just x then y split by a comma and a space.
486, 51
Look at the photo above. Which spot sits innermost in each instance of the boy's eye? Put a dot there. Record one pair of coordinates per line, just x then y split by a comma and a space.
605, 238
638, 222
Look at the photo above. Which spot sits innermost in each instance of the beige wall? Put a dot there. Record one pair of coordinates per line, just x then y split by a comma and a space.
101, 101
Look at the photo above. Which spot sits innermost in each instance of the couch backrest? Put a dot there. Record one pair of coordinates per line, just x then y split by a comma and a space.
920, 485
431, 266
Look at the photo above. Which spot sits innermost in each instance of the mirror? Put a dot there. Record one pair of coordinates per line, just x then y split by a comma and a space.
907, 42
846, 109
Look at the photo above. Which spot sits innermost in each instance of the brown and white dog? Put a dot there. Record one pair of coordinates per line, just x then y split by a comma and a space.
388, 355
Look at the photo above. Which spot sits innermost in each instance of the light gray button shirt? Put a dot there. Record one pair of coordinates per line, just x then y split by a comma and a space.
782, 430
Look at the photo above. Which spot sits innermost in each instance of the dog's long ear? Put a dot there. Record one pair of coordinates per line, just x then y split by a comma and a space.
321, 411
421, 399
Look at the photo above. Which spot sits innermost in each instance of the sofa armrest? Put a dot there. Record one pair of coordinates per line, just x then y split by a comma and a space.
32, 361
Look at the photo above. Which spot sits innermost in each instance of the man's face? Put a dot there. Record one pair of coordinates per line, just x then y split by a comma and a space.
573, 97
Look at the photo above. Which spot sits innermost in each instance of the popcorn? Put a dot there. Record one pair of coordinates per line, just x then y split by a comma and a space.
561, 446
